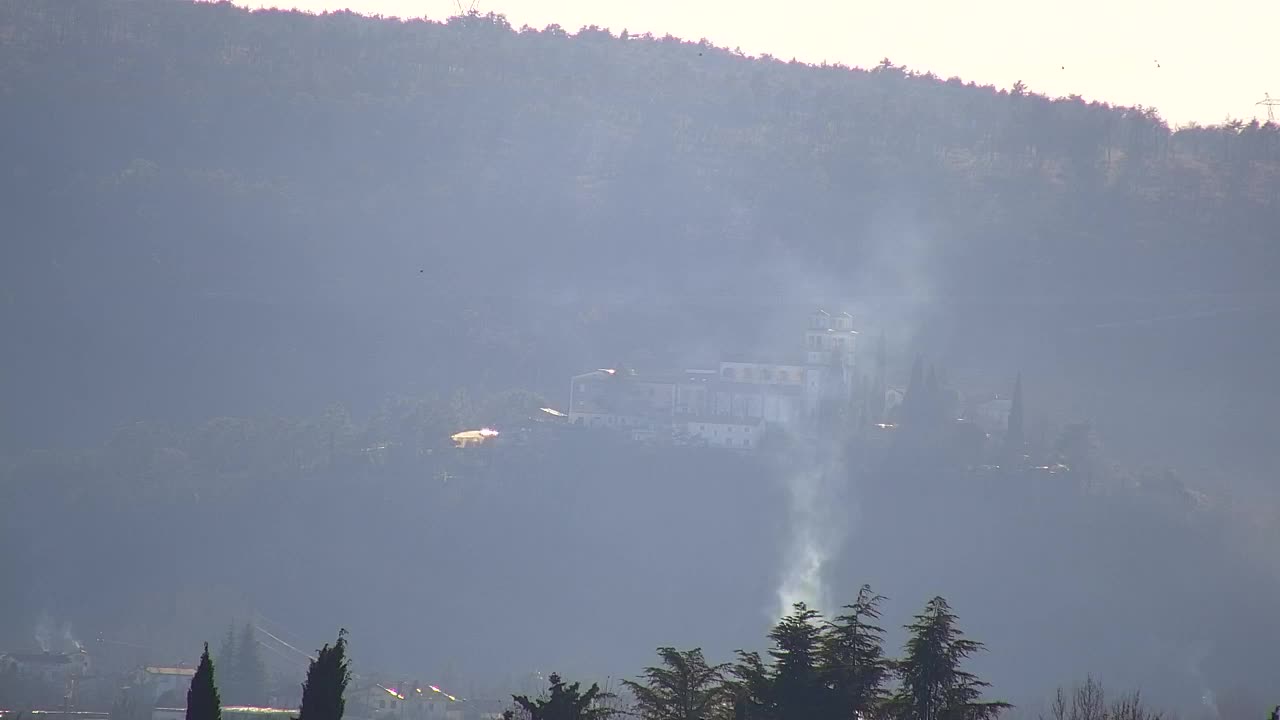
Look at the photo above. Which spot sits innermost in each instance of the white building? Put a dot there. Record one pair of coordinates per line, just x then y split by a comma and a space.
830, 344
402, 701
742, 397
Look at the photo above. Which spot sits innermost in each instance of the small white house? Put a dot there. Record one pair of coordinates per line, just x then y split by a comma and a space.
402, 701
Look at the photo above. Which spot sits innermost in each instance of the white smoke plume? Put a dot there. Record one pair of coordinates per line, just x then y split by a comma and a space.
44, 632
69, 639
816, 527
54, 639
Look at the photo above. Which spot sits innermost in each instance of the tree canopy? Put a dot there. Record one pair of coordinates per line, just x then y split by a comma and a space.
933, 684
683, 687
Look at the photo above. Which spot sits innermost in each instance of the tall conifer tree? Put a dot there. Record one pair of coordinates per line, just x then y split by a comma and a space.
203, 702
327, 678
251, 672
853, 664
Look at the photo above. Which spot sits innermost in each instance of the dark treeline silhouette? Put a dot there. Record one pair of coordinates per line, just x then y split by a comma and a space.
817, 670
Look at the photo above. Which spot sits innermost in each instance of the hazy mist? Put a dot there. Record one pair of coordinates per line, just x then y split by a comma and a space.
258, 268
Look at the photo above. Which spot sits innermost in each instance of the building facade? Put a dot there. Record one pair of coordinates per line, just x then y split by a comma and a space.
402, 701
732, 405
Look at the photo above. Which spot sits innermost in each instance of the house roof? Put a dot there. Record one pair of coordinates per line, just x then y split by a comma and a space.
43, 658
152, 670
594, 374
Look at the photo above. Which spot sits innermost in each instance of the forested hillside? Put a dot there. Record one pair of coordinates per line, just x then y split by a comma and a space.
583, 551
209, 210
215, 219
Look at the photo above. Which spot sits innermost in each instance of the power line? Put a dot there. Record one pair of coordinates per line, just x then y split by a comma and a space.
1270, 104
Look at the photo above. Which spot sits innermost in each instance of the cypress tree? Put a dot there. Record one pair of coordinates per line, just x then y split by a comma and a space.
203, 702
251, 672
931, 406
1014, 440
911, 398
327, 678
227, 660
878, 387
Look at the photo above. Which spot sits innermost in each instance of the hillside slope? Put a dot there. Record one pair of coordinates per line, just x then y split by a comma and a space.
210, 210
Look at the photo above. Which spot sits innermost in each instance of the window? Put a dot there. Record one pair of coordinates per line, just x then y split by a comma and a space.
727, 373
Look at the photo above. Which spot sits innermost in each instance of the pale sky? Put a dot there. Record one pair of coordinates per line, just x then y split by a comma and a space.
1201, 61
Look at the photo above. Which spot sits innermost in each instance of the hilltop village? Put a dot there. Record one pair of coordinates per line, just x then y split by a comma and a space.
826, 382
732, 405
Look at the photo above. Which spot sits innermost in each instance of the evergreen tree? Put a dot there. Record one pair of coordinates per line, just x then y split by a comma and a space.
565, 702
933, 686
226, 659
251, 672
684, 687
797, 689
910, 410
1014, 440
327, 678
854, 667
751, 688
931, 404
203, 702
878, 387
